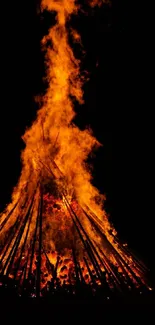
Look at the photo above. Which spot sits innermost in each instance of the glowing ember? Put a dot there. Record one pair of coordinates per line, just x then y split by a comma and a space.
55, 232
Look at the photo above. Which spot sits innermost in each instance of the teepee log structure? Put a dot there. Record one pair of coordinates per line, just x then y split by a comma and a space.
55, 234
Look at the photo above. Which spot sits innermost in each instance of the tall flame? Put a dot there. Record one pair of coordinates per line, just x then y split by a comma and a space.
55, 164
53, 138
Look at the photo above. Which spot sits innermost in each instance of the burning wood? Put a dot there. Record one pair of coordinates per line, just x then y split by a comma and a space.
55, 234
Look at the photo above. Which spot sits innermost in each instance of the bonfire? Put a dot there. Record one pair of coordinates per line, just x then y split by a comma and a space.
55, 233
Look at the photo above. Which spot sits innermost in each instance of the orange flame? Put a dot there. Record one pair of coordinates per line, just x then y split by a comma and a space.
53, 139
57, 150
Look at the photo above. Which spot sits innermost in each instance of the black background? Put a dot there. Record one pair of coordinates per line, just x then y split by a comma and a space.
119, 106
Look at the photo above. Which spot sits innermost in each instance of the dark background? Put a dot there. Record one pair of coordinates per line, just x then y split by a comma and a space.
118, 106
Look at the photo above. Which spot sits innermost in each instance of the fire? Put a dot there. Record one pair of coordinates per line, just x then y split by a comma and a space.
56, 226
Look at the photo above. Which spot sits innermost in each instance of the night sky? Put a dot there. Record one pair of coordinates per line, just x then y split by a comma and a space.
118, 107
